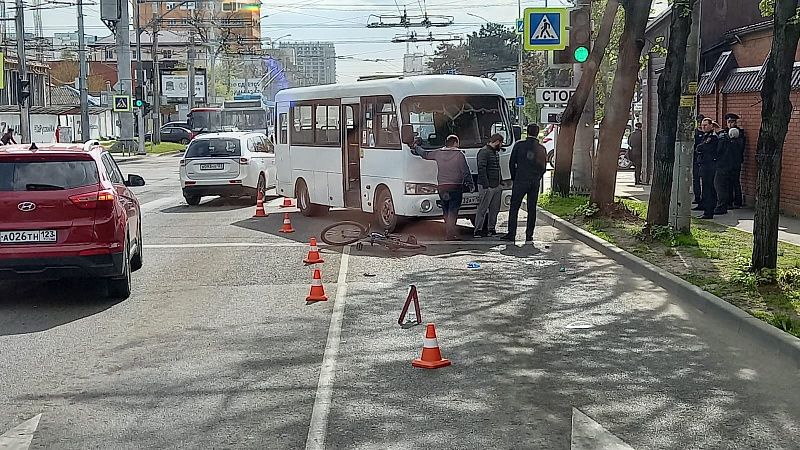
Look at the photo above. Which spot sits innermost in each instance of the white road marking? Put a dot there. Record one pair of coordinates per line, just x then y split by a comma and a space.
155, 204
322, 400
20, 437
227, 244
590, 435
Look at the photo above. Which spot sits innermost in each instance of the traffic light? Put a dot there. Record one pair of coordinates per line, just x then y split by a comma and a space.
23, 91
146, 108
580, 38
138, 96
580, 33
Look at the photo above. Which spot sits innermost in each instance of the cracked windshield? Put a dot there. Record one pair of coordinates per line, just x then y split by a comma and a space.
405, 224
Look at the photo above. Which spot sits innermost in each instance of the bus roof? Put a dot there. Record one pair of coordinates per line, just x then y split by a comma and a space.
397, 87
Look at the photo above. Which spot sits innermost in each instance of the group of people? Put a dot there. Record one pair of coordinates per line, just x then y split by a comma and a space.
718, 158
527, 165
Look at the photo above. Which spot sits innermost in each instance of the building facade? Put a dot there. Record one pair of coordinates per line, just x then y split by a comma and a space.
315, 62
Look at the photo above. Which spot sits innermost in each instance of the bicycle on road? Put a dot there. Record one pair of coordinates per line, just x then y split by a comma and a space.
350, 232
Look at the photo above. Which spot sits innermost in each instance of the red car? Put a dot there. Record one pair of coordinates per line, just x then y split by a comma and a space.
67, 212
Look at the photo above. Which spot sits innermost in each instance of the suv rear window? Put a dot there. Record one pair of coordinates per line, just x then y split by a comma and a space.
214, 148
47, 175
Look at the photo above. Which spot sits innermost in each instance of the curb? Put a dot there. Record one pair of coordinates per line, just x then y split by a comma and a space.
774, 340
175, 152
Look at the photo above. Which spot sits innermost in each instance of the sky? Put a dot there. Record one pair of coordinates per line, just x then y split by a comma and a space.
340, 21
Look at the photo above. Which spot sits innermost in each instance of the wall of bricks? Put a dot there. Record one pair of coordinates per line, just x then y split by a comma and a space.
748, 107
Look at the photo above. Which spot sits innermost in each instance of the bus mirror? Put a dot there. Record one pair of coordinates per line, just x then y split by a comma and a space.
407, 134
517, 132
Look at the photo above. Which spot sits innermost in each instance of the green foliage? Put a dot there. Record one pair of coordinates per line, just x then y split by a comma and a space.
605, 75
490, 49
587, 210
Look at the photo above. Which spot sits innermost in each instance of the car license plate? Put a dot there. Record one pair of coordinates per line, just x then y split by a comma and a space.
17, 237
212, 166
472, 200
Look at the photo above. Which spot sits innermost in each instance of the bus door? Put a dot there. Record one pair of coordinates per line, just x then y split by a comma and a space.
285, 182
351, 154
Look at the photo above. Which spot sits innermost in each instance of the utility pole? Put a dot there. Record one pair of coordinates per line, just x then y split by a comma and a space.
139, 81
190, 68
24, 108
124, 72
156, 138
83, 74
680, 217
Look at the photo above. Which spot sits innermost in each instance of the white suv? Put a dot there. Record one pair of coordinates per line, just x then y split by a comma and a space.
227, 164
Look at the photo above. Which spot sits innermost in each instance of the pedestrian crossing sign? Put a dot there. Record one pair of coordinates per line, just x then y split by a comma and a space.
546, 29
121, 103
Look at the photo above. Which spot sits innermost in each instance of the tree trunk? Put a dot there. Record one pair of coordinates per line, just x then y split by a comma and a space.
618, 108
572, 114
776, 111
669, 93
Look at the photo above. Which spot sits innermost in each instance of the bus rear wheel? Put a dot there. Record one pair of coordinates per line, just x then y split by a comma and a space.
385, 216
307, 208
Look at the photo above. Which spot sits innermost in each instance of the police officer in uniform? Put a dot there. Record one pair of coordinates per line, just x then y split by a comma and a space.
707, 160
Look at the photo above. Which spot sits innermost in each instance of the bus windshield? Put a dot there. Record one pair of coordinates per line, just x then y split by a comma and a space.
205, 121
473, 118
246, 120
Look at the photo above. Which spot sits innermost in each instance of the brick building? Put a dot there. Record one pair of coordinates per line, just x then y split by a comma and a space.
734, 85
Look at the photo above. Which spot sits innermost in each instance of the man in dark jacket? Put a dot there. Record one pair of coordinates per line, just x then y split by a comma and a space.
489, 189
697, 186
635, 143
453, 179
8, 137
528, 165
707, 160
736, 142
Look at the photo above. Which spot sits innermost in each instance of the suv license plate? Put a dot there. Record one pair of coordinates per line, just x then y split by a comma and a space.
17, 237
471, 200
211, 166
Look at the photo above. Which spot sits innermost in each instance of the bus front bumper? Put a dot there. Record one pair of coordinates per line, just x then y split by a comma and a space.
430, 205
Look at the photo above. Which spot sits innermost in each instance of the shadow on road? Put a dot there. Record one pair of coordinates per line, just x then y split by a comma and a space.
218, 204
27, 307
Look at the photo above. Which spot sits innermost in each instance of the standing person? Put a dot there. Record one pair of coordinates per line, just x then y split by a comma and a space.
635, 143
8, 136
489, 189
707, 158
722, 177
697, 187
528, 164
453, 179
737, 142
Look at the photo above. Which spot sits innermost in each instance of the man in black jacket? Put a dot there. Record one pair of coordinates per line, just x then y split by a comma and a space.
707, 160
489, 189
736, 140
528, 164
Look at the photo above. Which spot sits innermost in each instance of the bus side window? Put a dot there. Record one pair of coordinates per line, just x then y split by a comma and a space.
283, 129
367, 135
388, 129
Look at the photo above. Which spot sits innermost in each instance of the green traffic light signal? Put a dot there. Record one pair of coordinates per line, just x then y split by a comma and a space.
138, 103
581, 54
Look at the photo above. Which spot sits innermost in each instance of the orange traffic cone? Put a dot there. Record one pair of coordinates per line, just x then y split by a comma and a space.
287, 203
313, 254
317, 293
431, 356
287, 224
260, 206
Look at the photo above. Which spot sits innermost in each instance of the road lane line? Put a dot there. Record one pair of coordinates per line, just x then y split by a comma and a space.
21, 436
227, 244
322, 400
155, 204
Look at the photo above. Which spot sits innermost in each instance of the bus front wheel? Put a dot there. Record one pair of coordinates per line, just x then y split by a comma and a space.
385, 216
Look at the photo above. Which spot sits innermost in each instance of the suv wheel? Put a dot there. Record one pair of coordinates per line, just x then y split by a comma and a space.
120, 288
138, 258
193, 200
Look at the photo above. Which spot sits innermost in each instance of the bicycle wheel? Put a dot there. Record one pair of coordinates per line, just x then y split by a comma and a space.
343, 233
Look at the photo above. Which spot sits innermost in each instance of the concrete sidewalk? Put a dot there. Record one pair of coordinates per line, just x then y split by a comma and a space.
742, 219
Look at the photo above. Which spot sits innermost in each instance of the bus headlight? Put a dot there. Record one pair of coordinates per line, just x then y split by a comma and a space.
507, 200
420, 189
426, 206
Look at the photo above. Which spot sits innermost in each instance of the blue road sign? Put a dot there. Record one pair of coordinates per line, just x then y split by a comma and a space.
520, 26
520, 101
546, 29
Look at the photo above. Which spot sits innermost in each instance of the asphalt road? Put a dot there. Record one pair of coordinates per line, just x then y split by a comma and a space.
553, 347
